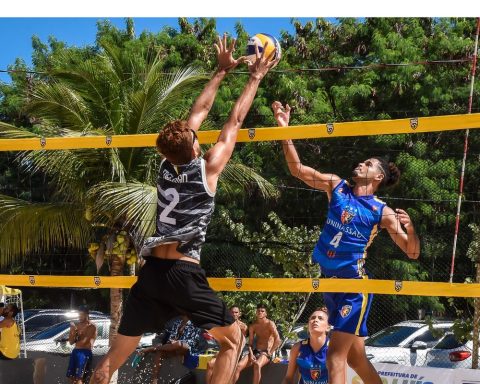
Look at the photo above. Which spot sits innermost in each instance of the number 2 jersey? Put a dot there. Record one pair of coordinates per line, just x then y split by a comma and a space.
184, 207
352, 224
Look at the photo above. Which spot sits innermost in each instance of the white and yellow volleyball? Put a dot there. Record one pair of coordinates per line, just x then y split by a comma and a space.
260, 39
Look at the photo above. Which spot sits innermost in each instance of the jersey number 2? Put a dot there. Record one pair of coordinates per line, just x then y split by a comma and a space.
169, 208
336, 239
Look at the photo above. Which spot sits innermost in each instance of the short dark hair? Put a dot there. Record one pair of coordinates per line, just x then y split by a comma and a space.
175, 142
234, 306
390, 171
2, 305
84, 309
261, 305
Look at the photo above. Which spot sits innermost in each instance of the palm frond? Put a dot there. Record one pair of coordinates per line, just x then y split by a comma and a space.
26, 227
238, 176
8, 131
132, 205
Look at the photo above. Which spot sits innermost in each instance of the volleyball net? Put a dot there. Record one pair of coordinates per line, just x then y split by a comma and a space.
265, 225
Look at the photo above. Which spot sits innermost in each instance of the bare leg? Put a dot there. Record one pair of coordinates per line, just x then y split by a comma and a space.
358, 361
257, 368
157, 362
231, 342
244, 363
121, 348
208, 374
340, 344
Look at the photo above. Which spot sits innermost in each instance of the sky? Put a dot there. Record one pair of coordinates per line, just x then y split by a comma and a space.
81, 31
75, 23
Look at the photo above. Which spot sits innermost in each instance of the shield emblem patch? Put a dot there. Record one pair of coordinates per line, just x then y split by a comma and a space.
43, 142
414, 123
330, 128
238, 283
315, 373
345, 311
31, 280
251, 133
398, 285
108, 140
96, 280
315, 283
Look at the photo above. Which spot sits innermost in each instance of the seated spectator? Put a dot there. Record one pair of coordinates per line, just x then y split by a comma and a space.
309, 357
10, 334
263, 332
237, 314
181, 339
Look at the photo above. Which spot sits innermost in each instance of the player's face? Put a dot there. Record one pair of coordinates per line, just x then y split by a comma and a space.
261, 313
235, 313
318, 323
82, 316
368, 170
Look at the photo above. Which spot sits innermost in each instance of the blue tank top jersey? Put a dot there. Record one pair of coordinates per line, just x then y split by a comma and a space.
312, 366
352, 224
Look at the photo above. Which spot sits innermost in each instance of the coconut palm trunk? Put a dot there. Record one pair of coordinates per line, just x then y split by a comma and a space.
116, 297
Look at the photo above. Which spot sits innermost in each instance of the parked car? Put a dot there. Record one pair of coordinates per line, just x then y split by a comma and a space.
405, 343
450, 353
55, 338
36, 320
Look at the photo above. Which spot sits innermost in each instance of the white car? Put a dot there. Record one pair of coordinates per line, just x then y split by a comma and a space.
55, 339
450, 353
405, 343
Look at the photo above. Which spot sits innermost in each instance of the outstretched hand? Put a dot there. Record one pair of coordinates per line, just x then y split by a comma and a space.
281, 114
263, 63
225, 58
403, 217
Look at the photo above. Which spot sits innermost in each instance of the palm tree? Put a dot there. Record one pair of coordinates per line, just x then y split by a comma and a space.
107, 195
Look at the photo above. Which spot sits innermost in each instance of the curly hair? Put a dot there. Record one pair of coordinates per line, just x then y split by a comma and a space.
391, 172
175, 142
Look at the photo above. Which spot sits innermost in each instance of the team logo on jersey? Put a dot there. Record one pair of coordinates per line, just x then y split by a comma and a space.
315, 373
108, 140
330, 128
414, 123
345, 311
97, 280
398, 285
31, 280
331, 254
347, 215
238, 283
43, 142
315, 283
251, 133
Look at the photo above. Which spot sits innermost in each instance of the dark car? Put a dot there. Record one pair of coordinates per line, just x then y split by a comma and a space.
36, 320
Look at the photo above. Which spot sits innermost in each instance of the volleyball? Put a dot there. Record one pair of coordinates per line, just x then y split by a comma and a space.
260, 39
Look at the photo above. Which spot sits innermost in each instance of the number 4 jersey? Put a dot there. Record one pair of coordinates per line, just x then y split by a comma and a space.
184, 207
352, 224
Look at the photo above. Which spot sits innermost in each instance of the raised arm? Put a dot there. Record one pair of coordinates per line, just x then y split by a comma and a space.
315, 179
401, 230
218, 156
204, 102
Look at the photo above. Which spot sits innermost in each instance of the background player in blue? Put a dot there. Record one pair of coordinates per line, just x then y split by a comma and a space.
354, 218
172, 282
309, 356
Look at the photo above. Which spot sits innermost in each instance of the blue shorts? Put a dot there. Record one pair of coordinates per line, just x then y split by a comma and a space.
80, 360
348, 312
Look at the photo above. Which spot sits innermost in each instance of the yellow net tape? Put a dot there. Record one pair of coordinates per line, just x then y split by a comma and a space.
358, 128
386, 287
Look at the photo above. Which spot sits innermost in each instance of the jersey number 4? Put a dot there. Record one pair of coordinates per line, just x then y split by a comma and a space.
169, 208
336, 239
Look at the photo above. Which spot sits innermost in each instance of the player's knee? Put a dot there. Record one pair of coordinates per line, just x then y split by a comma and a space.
334, 363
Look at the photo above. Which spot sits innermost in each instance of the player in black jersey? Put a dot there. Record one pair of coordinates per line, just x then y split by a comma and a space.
171, 282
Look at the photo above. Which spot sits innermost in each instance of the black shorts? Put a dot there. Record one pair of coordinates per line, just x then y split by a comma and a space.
169, 288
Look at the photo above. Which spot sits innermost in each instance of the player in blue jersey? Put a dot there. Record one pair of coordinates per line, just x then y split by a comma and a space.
309, 356
355, 216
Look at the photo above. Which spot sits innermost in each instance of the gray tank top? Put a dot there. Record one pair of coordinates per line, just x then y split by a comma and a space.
184, 208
